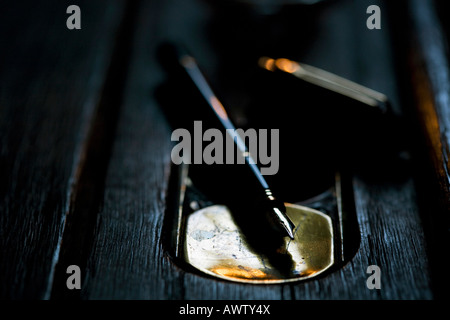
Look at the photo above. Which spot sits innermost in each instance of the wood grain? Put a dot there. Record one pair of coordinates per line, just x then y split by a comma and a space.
388, 223
128, 259
49, 87
425, 71
85, 144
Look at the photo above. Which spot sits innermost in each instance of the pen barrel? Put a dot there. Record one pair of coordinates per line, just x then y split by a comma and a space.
194, 106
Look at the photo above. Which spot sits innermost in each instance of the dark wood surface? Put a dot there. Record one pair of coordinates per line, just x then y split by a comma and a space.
85, 145
51, 82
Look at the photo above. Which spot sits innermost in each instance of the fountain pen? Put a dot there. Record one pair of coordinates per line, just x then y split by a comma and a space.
178, 57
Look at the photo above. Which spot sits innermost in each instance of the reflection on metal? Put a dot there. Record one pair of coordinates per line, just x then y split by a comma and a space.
215, 245
325, 80
287, 65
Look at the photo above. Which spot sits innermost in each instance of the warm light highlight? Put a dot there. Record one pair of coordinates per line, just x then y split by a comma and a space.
218, 108
287, 65
267, 63
240, 273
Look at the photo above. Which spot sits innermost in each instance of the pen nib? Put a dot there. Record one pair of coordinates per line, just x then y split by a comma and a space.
285, 222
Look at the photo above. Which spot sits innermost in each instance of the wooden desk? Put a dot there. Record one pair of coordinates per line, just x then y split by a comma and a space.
85, 147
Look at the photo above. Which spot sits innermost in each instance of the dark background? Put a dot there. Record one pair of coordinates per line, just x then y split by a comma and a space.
85, 142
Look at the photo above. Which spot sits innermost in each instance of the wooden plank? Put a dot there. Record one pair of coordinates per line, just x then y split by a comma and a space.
88, 195
426, 78
384, 192
50, 83
126, 261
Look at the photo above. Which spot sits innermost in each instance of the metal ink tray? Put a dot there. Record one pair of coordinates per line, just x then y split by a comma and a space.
202, 236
